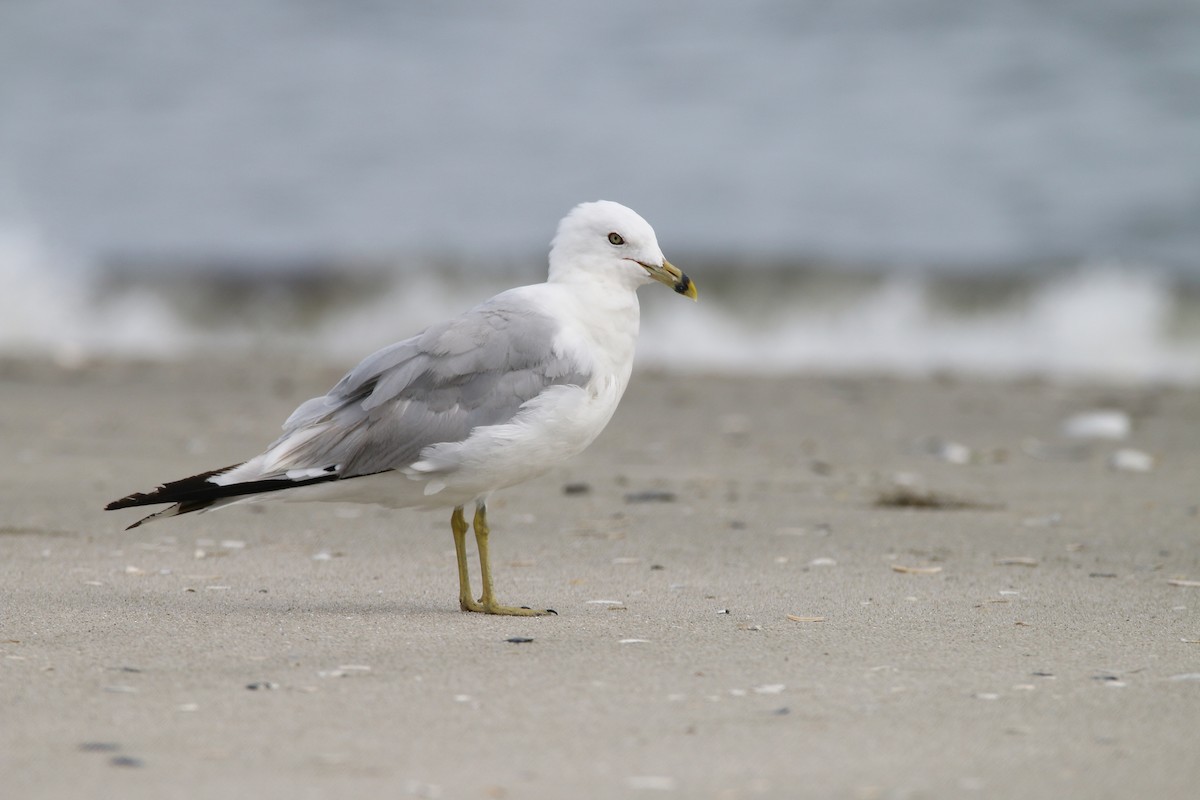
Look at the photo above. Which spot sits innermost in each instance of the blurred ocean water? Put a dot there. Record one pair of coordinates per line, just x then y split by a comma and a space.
894, 184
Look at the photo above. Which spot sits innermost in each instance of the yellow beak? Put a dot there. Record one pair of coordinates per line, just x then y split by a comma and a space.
672, 276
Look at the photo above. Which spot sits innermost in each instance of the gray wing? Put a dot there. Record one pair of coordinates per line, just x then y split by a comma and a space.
477, 369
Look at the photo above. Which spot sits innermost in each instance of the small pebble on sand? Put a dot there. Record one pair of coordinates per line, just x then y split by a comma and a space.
1108, 424
1129, 460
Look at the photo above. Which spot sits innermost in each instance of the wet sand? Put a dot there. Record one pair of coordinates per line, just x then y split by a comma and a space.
738, 614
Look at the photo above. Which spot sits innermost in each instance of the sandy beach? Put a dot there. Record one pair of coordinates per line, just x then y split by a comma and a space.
795, 587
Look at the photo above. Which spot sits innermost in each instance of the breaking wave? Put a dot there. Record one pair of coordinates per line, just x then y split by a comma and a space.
1094, 322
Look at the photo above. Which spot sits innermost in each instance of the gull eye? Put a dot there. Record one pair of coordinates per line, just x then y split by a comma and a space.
616, 238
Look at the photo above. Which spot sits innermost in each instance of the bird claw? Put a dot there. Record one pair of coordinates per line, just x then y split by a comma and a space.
484, 607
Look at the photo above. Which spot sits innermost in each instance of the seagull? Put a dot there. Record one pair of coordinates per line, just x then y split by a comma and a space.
486, 400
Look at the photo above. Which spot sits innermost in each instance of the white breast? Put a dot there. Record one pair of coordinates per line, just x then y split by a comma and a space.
557, 424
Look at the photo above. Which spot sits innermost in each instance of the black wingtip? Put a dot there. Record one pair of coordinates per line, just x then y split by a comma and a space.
195, 487
124, 502
198, 493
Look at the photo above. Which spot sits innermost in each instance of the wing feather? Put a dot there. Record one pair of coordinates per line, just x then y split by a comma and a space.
477, 369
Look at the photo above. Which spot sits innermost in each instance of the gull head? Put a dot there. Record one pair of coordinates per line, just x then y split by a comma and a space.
607, 242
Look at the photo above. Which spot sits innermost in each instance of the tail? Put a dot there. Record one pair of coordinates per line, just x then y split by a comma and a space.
199, 492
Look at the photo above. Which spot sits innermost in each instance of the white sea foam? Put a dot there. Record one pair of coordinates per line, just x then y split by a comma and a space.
50, 306
1102, 323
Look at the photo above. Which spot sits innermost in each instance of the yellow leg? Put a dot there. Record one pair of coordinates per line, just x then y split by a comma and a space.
487, 603
458, 524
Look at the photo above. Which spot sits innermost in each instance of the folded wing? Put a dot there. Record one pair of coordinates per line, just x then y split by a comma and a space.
475, 370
